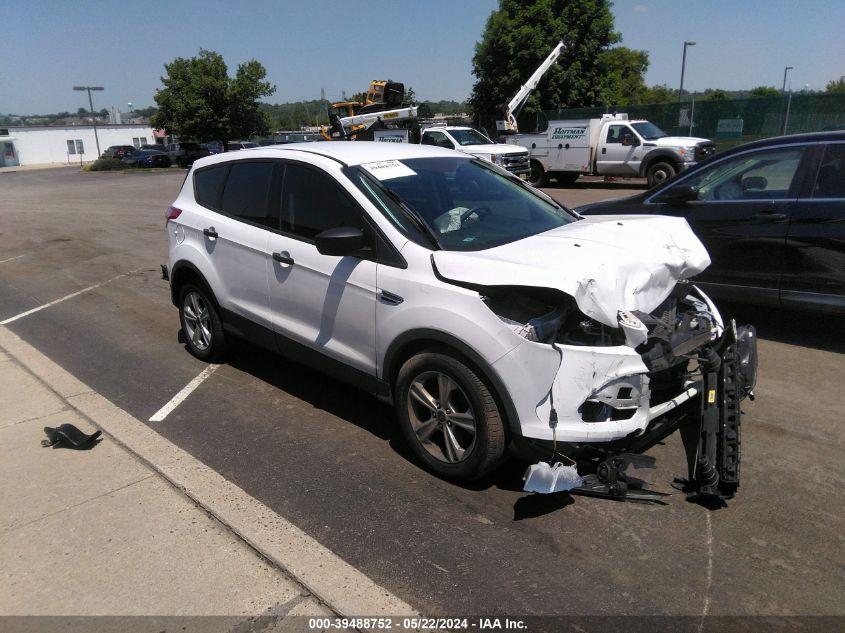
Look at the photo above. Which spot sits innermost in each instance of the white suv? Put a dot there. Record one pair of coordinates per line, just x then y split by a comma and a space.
483, 310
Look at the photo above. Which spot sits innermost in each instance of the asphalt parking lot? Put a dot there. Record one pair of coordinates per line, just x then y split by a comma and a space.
330, 459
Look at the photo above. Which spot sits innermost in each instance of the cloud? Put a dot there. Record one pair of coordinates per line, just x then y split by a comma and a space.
641, 8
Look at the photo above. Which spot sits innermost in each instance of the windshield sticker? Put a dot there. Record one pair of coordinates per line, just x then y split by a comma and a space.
387, 169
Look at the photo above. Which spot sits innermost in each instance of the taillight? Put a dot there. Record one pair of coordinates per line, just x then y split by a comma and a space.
173, 213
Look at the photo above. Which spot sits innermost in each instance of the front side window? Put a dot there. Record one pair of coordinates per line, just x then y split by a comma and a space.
438, 139
312, 202
754, 176
465, 205
246, 191
616, 132
830, 181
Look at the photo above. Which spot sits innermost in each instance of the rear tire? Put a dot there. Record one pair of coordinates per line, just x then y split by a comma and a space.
659, 172
448, 416
567, 177
538, 176
201, 325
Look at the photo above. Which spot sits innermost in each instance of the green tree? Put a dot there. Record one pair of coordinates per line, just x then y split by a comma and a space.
518, 37
200, 101
836, 85
764, 91
623, 74
714, 94
660, 94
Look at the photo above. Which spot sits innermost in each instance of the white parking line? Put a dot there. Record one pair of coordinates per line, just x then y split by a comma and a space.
176, 400
3, 261
65, 298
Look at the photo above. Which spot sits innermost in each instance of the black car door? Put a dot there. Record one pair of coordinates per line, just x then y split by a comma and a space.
814, 271
741, 213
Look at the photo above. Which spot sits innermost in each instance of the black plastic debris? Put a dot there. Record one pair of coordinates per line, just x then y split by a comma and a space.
68, 436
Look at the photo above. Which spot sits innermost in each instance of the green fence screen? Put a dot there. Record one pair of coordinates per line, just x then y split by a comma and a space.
727, 122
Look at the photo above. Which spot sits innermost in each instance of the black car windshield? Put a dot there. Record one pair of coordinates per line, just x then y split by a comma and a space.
470, 137
465, 205
649, 131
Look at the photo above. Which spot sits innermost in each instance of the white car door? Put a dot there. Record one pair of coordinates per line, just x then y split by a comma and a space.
621, 152
324, 302
234, 237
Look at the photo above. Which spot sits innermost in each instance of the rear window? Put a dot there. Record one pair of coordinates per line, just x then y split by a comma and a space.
247, 187
208, 185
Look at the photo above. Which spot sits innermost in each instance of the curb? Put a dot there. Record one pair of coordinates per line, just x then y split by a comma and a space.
343, 588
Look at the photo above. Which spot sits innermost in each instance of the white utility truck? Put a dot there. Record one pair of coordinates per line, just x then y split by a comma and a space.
467, 140
609, 146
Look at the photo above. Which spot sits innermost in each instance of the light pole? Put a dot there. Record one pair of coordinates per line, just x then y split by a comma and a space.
785, 70
683, 67
91, 105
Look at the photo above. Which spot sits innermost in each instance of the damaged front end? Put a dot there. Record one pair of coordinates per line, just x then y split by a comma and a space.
617, 391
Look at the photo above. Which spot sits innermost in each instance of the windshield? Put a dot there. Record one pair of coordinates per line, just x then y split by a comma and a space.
470, 137
649, 131
465, 205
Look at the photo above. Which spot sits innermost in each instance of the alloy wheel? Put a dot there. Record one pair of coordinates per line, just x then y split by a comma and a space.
197, 321
441, 416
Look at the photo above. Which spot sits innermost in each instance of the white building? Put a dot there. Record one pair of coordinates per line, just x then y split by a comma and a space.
38, 145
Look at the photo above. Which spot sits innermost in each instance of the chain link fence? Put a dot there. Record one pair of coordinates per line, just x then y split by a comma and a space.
727, 122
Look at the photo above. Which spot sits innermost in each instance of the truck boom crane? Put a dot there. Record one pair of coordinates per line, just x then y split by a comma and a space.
518, 101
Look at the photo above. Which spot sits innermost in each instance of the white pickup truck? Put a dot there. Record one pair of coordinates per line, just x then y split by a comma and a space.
609, 146
469, 141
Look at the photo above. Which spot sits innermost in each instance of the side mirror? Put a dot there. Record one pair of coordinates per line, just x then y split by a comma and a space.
344, 240
755, 183
681, 194
445, 143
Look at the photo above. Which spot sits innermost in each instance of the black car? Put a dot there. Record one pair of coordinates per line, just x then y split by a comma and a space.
771, 214
118, 151
147, 158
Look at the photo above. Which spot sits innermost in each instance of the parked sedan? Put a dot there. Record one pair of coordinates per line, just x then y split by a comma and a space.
771, 214
147, 158
118, 151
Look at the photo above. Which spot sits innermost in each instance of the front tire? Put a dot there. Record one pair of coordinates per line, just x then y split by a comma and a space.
659, 172
448, 416
538, 176
201, 324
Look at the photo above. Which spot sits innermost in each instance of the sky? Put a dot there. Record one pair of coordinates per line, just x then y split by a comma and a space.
341, 45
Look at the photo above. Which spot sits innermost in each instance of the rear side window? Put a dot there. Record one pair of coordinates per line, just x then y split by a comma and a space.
830, 182
246, 191
312, 202
208, 185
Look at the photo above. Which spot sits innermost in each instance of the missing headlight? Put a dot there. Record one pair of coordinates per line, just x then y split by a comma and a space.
536, 314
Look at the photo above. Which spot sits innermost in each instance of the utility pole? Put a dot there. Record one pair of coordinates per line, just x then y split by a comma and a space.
785, 70
683, 68
91, 106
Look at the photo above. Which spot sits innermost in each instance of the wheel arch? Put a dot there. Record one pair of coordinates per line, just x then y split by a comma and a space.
665, 156
412, 342
183, 272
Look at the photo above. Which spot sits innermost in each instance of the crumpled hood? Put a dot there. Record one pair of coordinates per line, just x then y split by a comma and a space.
491, 148
606, 263
679, 141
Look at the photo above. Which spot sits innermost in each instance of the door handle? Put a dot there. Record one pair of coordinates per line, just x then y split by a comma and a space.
283, 258
210, 233
764, 218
